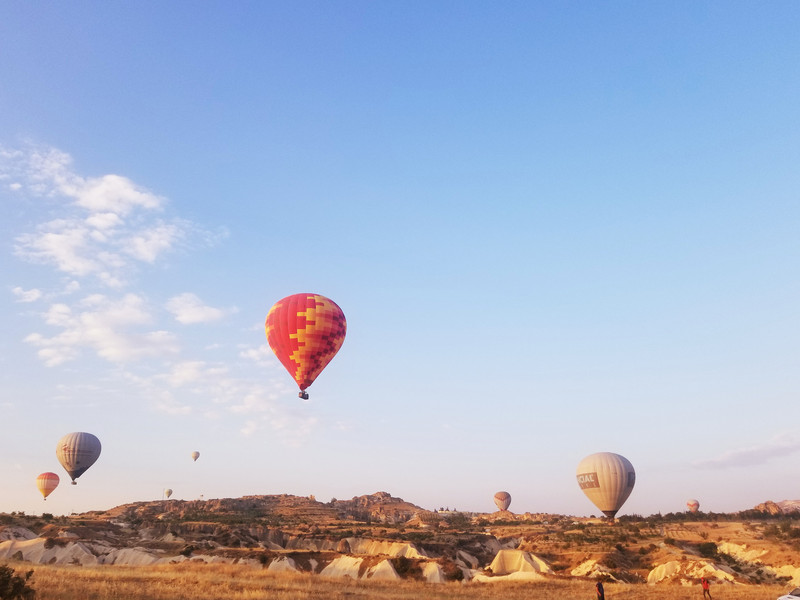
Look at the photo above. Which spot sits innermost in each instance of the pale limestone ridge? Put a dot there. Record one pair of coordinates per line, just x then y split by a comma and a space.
689, 572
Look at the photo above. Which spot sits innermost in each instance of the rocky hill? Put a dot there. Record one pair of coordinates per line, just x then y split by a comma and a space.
380, 536
779, 508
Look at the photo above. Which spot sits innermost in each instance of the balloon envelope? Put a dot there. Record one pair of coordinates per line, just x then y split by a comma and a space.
47, 482
77, 452
502, 500
693, 505
305, 331
195, 455
607, 479
168, 492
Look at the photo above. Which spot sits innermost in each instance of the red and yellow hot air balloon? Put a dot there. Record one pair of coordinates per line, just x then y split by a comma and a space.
305, 331
47, 482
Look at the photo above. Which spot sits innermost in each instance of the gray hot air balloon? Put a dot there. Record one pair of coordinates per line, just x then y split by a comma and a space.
77, 452
692, 505
607, 479
502, 500
195, 455
168, 492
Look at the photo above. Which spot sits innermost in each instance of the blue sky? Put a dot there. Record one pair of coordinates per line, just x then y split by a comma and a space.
555, 229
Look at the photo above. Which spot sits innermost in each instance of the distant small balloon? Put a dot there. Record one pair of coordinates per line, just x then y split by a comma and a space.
195, 455
693, 505
47, 482
77, 452
502, 500
168, 492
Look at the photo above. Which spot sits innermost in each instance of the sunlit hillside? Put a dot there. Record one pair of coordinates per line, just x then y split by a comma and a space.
305, 548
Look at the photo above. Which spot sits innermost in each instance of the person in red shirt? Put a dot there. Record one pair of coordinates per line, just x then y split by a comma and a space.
705, 584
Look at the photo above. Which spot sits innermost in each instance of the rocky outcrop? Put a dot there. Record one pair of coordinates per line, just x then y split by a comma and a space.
16, 533
689, 572
592, 568
769, 507
515, 565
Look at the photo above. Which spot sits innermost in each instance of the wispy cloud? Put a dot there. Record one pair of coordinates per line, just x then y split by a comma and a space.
26, 295
261, 355
779, 446
188, 309
188, 387
103, 233
106, 326
107, 225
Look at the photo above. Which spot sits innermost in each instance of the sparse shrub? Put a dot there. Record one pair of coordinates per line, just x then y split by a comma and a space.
707, 549
458, 521
451, 571
669, 541
772, 531
406, 568
15, 587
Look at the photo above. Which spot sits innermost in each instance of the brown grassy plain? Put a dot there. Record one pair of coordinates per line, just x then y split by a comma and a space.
190, 581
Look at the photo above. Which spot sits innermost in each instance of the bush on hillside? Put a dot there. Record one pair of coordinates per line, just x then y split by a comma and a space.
15, 587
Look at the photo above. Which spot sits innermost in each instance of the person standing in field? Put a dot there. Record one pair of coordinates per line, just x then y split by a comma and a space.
601, 594
706, 591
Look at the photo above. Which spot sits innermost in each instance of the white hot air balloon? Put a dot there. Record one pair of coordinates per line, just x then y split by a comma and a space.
195, 455
168, 492
607, 479
692, 505
502, 500
77, 452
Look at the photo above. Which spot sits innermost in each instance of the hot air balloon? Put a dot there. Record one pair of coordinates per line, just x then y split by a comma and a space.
77, 452
693, 505
607, 479
305, 331
502, 500
47, 482
168, 492
195, 455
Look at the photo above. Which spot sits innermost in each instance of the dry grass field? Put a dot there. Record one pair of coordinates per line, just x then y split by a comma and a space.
231, 582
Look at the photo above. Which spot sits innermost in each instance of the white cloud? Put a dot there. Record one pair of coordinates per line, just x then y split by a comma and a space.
72, 287
62, 243
31, 295
110, 194
262, 355
147, 245
781, 445
104, 221
105, 326
190, 372
107, 225
188, 309
101, 231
